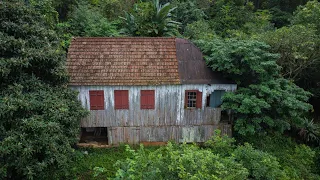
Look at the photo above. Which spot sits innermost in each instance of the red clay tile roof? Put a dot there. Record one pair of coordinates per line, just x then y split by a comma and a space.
123, 61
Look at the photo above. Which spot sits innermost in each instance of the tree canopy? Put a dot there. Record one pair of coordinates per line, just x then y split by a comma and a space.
264, 99
39, 115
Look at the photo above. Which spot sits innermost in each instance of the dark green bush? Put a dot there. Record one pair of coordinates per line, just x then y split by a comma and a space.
297, 160
221, 144
261, 165
179, 162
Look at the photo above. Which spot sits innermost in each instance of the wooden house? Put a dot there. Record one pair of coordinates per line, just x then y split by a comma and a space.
146, 89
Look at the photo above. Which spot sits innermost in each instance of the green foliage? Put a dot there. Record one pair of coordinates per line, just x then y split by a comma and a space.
178, 162
150, 19
26, 50
273, 105
39, 128
280, 18
265, 101
308, 14
228, 15
88, 21
281, 10
199, 30
95, 163
261, 165
310, 131
46, 8
220, 144
297, 160
317, 161
65, 36
39, 115
241, 59
112, 9
298, 46
260, 23
64, 8
269, 157
186, 13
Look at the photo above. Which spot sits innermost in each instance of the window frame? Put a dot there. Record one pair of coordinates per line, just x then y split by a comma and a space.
123, 102
94, 105
198, 100
150, 103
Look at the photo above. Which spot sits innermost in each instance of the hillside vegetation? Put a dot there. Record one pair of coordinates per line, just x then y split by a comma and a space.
270, 48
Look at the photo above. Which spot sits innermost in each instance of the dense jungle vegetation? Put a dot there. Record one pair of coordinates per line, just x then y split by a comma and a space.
271, 48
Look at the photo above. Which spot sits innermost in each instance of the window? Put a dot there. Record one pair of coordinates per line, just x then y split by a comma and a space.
121, 99
96, 100
193, 99
147, 99
216, 98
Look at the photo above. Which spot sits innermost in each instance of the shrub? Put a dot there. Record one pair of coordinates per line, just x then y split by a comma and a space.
220, 144
179, 162
261, 165
296, 159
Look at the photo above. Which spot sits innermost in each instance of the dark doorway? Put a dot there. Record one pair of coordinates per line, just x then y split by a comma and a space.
93, 135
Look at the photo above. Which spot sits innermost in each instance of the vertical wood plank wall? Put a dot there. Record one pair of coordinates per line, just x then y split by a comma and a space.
170, 120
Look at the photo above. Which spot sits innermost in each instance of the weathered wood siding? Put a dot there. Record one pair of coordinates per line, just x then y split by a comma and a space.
170, 120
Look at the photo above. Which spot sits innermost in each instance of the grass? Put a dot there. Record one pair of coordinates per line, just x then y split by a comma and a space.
83, 167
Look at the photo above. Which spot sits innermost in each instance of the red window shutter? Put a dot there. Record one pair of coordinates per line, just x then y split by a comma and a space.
143, 100
152, 99
186, 99
147, 99
121, 99
199, 99
125, 99
100, 99
117, 99
96, 100
92, 100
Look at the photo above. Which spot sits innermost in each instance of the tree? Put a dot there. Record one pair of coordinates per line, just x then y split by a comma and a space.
64, 7
112, 9
264, 100
89, 21
308, 14
150, 19
46, 8
199, 30
226, 15
281, 10
39, 115
299, 47
187, 12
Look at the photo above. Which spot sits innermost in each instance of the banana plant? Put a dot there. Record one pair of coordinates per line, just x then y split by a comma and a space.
157, 23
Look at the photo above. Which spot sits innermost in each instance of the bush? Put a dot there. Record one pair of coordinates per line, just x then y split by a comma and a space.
317, 161
96, 163
261, 165
179, 162
297, 160
221, 144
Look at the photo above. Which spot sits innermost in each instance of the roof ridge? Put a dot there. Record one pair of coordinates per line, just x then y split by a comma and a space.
124, 37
